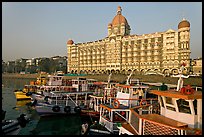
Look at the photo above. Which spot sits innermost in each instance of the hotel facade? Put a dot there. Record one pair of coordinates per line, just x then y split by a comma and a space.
121, 52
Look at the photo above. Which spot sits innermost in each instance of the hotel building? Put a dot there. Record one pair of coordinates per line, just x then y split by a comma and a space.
121, 52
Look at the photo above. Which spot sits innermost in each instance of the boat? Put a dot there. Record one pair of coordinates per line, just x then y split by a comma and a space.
103, 91
13, 126
180, 113
115, 109
62, 103
26, 92
31, 88
58, 98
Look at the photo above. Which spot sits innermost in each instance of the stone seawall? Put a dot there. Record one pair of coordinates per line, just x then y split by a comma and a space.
16, 75
118, 77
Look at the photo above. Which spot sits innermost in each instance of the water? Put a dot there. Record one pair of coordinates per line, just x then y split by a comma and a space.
54, 125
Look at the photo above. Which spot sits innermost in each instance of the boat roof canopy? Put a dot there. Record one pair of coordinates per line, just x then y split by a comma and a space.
177, 94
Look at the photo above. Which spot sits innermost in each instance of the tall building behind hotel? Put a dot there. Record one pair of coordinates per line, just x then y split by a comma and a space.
121, 52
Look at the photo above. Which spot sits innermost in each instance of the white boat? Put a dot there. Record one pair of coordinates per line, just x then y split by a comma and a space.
180, 113
115, 109
62, 96
62, 103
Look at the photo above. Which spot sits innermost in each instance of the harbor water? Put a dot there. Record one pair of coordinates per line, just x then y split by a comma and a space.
52, 125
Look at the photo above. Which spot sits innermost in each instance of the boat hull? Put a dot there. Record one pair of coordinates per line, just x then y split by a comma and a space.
44, 109
21, 96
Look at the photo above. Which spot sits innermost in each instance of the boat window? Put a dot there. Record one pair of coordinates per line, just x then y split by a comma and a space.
183, 106
170, 108
126, 90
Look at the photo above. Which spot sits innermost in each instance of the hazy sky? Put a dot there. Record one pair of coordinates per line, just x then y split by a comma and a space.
41, 29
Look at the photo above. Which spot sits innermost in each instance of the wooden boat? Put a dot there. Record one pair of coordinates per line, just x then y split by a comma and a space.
180, 113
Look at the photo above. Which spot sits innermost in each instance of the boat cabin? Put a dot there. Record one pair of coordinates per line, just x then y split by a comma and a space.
129, 95
181, 107
54, 80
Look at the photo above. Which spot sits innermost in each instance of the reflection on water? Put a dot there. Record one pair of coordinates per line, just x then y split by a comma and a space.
67, 125
22, 103
48, 126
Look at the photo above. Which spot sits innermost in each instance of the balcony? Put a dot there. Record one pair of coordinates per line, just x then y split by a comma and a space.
156, 53
142, 54
149, 47
143, 48
149, 53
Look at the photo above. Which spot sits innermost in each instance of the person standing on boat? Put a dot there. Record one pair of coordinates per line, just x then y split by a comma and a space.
140, 92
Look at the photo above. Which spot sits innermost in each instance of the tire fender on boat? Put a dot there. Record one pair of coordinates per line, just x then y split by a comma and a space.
56, 108
189, 90
67, 109
116, 103
77, 109
143, 102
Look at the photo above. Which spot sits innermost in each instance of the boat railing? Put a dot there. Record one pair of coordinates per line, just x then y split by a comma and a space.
112, 127
134, 101
198, 88
154, 128
135, 118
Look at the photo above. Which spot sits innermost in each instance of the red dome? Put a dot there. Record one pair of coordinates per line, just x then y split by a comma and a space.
119, 18
70, 42
184, 23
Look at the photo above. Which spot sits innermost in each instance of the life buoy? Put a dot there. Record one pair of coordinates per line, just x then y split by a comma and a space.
116, 103
56, 108
67, 109
77, 109
28, 93
189, 90
182, 91
143, 102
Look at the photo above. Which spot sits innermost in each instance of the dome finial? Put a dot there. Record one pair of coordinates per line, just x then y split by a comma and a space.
119, 10
183, 16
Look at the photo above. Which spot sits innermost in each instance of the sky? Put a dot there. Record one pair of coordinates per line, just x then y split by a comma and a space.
42, 29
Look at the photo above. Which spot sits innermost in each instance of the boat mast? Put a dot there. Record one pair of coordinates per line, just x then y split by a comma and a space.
107, 88
181, 76
128, 78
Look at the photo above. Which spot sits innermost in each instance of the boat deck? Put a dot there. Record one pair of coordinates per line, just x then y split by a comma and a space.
128, 128
177, 94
